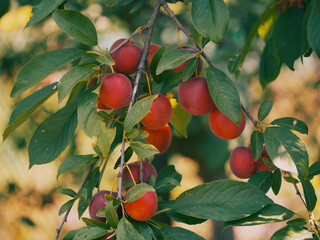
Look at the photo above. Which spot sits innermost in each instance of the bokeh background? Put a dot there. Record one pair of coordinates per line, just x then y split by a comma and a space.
29, 202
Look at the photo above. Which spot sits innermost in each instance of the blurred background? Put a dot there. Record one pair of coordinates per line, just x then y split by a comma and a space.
29, 202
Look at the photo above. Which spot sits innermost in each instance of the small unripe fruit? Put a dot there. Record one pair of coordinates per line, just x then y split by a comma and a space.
97, 202
100, 105
194, 96
223, 127
126, 58
148, 170
159, 114
161, 138
115, 91
143, 208
182, 66
152, 51
242, 163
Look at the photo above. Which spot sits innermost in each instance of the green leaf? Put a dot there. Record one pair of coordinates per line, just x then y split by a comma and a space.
264, 109
298, 222
127, 155
269, 214
73, 77
270, 64
138, 111
316, 84
224, 94
137, 5
173, 58
314, 28
66, 206
27, 106
291, 180
285, 148
90, 233
143, 150
70, 235
138, 191
277, 180
233, 63
87, 114
305, 43
67, 191
135, 134
177, 233
291, 123
263, 180
105, 59
155, 60
314, 170
111, 215
287, 35
94, 223
144, 229
41, 66
309, 194
105, 137
256, 142
74, 162
168, 178
4, 7
76, 25
190, 68
210, 18
53, 135
292, 232
180, 119
126, 231
42, 10
222, 200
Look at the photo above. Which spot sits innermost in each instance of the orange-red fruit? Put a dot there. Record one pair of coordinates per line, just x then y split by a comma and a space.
97, 202
182, 66
115, 91
242, 163
100, 105
143, 208
152, 51
194, 96
161, 138
159, 114
223, 127
148, 170
264, 154
126, 58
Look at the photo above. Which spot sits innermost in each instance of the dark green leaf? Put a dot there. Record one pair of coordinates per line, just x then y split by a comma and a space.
233, 63
190, 68
27, 106
42, 10
137, 5
264, 109
316, 84
298, 222
263, 180
74, 162
144, 229
27, 221
105, 59
143, 150
285, 148
291, 180
292, 232
222, 200
180, 119
53, 135
90, 233
270, 64
314, 28
210, 18
292, 123
126, 231
111, 215
138, 111
314, 170
309, 194
127, 155
4, 7
269, 214
168, 178
70, 235
276, 185
287, 35
76, 25
105, 137
173, 58
94, 223
177, 233
138, 191
224, 94
73, 77
305, 43
67, 191
66, 206
156, 58
256, 142
41, 66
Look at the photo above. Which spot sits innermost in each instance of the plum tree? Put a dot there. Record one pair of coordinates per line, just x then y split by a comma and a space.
182, 66
223, 127
97, 202
159, 114
160, 138
194, 96
126, 58
148, 170
143, 208
115, 90
242, 163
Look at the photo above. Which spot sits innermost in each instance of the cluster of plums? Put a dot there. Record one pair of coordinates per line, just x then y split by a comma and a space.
141, 209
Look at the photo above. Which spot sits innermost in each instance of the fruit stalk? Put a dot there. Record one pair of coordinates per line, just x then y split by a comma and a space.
140, 69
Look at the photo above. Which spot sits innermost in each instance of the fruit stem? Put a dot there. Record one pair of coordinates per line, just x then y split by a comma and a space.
134, 182
103, 53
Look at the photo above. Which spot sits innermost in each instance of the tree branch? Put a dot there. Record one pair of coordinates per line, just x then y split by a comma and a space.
255, 122
140, 69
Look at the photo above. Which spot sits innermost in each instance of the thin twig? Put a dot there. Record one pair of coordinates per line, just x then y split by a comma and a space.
140, 70
255, 122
